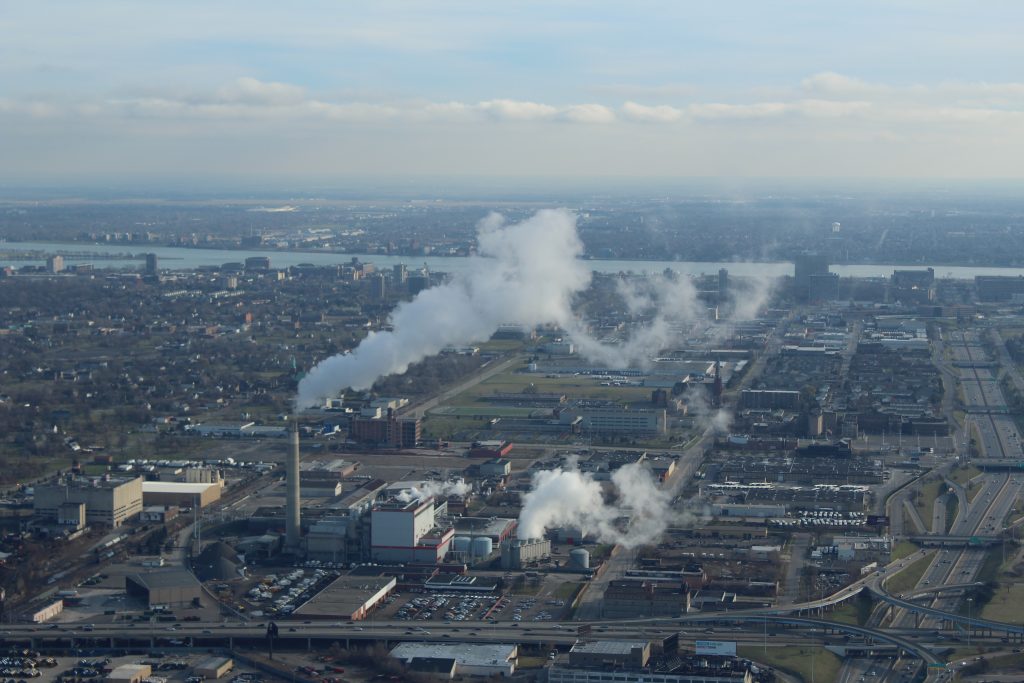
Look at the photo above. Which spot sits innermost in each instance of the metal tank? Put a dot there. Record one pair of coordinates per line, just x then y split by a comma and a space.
482, 546
579, 559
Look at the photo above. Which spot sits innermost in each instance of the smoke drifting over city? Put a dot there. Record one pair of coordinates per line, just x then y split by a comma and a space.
567, 497
526, 273
529, 274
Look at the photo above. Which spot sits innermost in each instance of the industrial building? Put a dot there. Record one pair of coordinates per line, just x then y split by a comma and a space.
607, 417
490, 449
350, 597
130, 673
166, 587
179, 494
320, 479
621, 653
213, 667
497, 529
517, 553
627, 598
108, 501
998, 287
41, 612
408, 532
390, 431
470, 659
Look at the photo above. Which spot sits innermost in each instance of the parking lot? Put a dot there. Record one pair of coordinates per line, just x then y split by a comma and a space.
167, 667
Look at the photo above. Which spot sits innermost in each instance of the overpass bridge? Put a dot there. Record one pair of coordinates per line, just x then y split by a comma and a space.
946, 541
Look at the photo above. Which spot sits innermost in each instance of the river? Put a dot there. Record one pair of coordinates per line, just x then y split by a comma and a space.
119, 256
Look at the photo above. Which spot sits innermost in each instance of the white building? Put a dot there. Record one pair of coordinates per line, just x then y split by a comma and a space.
470, 659
407, 532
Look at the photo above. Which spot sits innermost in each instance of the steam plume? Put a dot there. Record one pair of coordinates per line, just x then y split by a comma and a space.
568, 497
526, 273
436, 489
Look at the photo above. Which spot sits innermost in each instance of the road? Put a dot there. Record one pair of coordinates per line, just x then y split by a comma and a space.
492, 369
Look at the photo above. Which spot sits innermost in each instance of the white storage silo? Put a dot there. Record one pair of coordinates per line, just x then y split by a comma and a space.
482, 546
461, 544
579, 559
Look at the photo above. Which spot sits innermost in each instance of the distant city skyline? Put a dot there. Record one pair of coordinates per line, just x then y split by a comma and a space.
261, 92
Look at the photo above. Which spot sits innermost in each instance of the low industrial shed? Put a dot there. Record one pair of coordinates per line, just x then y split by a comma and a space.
213, 667
130, 673
172, 587
179, 494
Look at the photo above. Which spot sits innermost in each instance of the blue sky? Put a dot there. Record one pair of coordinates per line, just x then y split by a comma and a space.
581, 89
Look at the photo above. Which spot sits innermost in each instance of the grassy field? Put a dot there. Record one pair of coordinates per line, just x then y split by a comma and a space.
925, 501
573, 386
567, 590
799, 661
908, 577
1005, 603
952, 508
962, 475
903, 549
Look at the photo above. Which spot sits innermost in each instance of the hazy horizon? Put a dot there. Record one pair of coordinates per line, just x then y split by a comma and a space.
251, 94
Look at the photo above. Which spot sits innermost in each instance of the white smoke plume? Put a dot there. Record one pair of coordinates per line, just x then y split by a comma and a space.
436, 489
667, 302
747, 296
527, 273
718, 420
569, 497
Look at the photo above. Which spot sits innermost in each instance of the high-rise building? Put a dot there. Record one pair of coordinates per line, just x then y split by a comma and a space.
152, 265
399, 274
55, 263
723, 285
806, 266
378, 287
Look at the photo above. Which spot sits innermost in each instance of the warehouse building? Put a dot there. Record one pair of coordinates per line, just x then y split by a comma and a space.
108, 501
470, 659
626, 598
130, 673
179, 494
169, 587
213, 667
350, 597
44, 611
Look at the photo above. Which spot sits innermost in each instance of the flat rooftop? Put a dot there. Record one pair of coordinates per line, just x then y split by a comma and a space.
174, 487
345, 596
463, 653
167, 578
609, 647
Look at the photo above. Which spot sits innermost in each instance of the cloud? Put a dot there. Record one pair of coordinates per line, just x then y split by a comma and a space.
771, 110
589, 113
656, 114
251, 91
832, 84
514, 110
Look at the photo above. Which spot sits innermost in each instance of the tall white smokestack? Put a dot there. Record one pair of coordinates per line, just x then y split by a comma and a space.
293, 521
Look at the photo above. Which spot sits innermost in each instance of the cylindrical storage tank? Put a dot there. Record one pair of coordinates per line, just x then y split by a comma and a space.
482, 546
460, 544
579, 559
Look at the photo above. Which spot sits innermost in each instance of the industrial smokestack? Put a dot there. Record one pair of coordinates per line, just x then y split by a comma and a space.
293, 522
